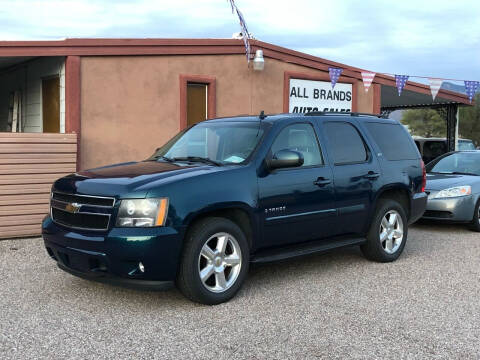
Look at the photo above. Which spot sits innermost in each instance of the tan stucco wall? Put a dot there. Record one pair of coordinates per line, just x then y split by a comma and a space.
130, 104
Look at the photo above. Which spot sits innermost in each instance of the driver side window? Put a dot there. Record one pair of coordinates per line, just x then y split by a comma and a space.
301, 138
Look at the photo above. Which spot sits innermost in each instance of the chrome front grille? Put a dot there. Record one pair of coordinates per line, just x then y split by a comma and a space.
84, 212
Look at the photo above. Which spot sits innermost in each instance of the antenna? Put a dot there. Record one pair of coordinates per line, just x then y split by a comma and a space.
261, 117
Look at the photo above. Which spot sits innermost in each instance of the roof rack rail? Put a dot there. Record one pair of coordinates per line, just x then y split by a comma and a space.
318, 113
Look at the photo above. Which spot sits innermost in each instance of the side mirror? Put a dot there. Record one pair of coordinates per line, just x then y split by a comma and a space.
285, 159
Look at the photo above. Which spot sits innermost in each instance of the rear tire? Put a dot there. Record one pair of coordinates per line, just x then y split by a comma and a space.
388, 232
214, 261
475, 224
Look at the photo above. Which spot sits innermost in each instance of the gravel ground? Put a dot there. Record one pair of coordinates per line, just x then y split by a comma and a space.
336, 305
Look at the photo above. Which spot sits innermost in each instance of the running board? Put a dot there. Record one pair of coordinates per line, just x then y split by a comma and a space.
292, 251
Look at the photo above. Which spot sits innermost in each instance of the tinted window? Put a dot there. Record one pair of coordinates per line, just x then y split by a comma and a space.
393, 141
301, 138
347, 145
433, 149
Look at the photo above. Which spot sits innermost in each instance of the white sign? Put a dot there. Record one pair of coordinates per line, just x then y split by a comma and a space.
309, 95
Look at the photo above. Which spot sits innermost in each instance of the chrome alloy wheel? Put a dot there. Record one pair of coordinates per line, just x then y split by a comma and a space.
219, 262
391, 232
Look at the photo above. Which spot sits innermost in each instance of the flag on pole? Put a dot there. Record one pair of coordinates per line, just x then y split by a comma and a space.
334, 75
400, 81
243, 25
435, 85
367, 79
471, 88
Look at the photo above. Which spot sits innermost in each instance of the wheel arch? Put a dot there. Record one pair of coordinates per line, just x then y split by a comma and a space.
397, 192
239, 213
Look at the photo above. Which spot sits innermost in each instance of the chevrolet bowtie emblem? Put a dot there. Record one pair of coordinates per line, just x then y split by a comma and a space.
73, 207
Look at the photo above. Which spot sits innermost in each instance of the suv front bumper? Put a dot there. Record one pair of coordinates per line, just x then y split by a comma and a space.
114, 256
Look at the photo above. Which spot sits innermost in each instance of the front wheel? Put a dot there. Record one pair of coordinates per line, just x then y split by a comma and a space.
475, 224
388, 232
214, 262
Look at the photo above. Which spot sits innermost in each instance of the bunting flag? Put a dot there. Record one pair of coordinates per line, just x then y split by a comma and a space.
471, 88
435, 85
367, 79
243, 25
400, 81
334, 75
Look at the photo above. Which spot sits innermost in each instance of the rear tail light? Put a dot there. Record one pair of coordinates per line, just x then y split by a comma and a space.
424, 176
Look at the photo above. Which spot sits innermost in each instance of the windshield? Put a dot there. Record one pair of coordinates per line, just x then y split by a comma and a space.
218, 142
457, 163
466, 145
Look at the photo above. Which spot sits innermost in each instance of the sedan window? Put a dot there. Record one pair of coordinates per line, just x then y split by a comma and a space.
456, 163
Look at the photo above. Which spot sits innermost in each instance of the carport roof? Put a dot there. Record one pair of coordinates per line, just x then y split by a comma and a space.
414, 94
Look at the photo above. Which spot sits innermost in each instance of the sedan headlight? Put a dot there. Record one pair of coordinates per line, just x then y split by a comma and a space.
456, 191
142, 212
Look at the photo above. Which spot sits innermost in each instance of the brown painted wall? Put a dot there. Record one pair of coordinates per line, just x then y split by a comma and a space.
130, 104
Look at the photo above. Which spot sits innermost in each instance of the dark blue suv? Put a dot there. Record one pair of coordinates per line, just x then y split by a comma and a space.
229, 192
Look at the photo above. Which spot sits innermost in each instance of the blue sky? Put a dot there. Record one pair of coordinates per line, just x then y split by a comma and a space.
432, 38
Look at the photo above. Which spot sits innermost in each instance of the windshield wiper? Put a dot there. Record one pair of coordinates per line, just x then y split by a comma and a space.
452, 173
197, 159
463, 173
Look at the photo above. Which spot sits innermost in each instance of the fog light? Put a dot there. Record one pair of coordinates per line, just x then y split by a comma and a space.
141, 267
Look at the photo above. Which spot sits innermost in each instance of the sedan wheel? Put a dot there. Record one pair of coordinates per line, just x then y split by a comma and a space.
391, 232
220, 262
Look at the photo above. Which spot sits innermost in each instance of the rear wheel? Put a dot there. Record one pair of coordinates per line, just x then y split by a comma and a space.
214, 262
475, 224
388, 232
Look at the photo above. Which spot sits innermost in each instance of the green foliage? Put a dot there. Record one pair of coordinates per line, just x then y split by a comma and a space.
425, 122
469, 126
429, 123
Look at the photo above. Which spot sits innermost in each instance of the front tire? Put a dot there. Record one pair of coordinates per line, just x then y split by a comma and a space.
214, 261
475, 224
388, 232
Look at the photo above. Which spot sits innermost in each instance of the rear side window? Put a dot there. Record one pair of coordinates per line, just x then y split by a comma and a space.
346, 143
393, 140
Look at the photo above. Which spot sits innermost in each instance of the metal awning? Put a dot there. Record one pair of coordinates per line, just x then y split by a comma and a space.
412, 99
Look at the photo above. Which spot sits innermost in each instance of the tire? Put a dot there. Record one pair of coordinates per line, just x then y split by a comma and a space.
202, 256
475, 224
392, 244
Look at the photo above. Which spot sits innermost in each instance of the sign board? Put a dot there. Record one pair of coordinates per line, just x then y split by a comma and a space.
310, 95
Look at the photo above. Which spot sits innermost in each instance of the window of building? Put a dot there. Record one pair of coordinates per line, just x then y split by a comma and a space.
301, 138
346, 143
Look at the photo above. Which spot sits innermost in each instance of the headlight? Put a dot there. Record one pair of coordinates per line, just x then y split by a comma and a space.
456, 191
142, 212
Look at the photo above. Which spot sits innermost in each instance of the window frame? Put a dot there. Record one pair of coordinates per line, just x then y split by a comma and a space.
322, 157
368, 151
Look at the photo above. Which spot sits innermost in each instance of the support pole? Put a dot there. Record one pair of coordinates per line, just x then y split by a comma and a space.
451, 126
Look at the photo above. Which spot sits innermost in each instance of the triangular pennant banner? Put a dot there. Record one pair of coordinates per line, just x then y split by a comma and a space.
367, 79
400, 81
334, 75
471, 88
435, 85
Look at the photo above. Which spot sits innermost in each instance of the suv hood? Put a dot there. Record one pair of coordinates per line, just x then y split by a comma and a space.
131, 178
444, 181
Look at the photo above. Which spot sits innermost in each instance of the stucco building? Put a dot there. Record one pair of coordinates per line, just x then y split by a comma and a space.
81, 103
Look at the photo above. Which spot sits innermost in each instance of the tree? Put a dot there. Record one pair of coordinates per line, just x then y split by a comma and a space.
425, 122
469, 124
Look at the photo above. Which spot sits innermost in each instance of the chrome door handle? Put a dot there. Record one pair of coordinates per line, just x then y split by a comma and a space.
371, 175
321, 181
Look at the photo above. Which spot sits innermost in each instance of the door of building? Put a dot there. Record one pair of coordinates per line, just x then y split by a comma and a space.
51, 105
196, 103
